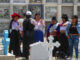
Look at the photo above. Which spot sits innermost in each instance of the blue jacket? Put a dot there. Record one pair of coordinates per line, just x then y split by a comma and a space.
68, 26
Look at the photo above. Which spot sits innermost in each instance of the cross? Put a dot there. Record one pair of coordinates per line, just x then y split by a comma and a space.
51, 46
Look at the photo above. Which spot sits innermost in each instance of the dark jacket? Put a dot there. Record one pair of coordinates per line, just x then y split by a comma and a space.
10, 28
28, 30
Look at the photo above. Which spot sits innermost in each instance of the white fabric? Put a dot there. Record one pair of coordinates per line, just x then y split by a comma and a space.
54, 27
64, 26
20, 21
38, 25
15, 26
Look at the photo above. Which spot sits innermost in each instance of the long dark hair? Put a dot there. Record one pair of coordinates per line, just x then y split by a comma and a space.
64, 16
76, 17
36, 15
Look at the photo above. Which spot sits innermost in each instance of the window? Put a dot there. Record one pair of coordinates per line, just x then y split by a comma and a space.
4, 13
79, 1
4, 1
35, 1
79, 11
19, 9
4, 25
36, 9
67, 10
50, 12
67, 1
19, 1
51, 1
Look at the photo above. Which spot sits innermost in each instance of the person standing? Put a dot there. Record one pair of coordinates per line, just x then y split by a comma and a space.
72, 32
38, 30
53, 29
64, 48
28, 34
14, 35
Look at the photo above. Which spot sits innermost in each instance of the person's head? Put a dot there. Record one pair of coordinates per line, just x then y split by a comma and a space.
74, 19
64, 18
28, 14
54, 20
15, 16
37, 16
24, 15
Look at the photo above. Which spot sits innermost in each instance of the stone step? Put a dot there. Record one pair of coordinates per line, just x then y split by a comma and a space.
1, 51
3, 57
21, 58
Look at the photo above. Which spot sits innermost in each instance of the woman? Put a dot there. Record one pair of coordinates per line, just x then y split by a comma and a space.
14, 35
39, 25
53, 29
73, 31
64, 48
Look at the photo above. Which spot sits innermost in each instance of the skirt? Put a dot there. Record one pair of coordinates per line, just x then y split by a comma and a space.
15, 43
64, 44
38, 36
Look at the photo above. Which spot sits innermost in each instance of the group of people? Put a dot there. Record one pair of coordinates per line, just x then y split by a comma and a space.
31, 31
28, 30
67, 34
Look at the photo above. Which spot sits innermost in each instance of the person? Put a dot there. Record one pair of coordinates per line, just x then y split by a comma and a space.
24, 15
53, 29
38, 30
20, 21
64, 48
28, 34
14, 35
72, 32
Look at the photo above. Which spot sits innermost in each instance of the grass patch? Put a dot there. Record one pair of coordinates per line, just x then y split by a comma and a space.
75, 56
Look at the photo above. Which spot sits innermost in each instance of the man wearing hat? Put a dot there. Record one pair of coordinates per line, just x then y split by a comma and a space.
14, 35
28, 34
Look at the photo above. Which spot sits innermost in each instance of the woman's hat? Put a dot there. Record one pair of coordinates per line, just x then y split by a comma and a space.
15, 15
54, 18
64, 16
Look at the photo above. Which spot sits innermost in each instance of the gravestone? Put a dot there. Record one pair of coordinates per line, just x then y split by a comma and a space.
43, 50
39, 51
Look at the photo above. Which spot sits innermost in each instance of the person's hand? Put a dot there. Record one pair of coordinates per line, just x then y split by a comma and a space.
47, 39
41, 21
68, 37
62, 31
64, 24
33, 22
21, 33
54, 31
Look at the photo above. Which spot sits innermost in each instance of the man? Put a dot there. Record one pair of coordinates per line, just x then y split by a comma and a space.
28, 34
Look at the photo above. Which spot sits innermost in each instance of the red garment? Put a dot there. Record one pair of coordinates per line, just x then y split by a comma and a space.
15, 14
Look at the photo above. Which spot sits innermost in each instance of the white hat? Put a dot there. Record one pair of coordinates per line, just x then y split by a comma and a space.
28, 13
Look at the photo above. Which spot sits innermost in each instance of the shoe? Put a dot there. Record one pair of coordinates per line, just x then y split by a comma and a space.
76, 59
69, 58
